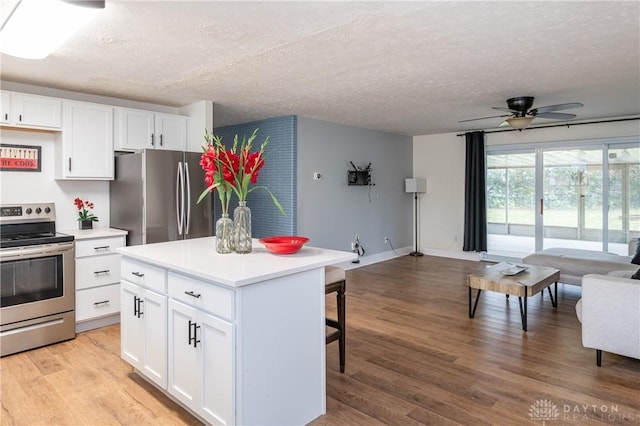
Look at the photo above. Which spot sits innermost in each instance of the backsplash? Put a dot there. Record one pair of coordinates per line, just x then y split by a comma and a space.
279, 174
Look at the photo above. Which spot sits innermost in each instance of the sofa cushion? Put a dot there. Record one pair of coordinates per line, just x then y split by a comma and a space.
621, 274
579, 262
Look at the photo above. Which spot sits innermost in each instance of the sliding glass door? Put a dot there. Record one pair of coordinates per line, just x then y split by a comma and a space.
624, 196
572, 198
584, 196
511, 202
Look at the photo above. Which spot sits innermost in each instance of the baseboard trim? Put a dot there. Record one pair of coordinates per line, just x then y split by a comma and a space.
97, 323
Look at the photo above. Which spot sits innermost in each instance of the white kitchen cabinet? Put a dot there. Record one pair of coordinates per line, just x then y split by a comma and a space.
31, 111
171, 131
225, 359
5, 108
144, 331
97, 276
84, 149
138, 129
201, 362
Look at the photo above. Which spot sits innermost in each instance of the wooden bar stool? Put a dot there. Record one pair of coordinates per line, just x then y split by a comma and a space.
335, 281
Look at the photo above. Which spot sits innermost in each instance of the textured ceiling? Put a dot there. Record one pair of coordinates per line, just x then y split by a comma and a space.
406, 67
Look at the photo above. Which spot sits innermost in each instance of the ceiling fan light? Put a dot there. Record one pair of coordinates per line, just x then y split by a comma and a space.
519, 122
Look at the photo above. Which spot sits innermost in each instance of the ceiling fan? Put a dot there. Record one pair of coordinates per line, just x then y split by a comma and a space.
520, 112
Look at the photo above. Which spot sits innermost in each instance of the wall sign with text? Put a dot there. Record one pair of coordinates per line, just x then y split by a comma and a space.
20, 158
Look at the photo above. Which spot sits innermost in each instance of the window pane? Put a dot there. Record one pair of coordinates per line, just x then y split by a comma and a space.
572, 192
511, 204
624, 197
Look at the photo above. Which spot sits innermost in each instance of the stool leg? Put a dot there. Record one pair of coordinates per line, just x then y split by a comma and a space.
341, 323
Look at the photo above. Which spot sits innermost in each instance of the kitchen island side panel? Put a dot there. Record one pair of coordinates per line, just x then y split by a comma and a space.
281, 350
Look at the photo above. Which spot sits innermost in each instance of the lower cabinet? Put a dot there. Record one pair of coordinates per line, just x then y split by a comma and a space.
201, 362
213, 350
144, 331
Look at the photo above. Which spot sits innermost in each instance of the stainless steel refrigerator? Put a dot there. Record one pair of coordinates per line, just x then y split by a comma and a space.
154, 197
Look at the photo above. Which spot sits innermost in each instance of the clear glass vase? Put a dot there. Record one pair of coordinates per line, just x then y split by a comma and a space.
224, 234
242, 231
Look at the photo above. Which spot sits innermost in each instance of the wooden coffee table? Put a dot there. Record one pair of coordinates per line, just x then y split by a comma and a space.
524, 284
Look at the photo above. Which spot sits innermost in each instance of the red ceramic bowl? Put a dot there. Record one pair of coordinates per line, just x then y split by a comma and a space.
284, 244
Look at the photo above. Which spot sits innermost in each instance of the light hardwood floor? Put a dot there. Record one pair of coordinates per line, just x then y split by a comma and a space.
413, 357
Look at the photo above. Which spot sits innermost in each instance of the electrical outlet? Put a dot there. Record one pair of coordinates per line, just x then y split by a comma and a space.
386, 240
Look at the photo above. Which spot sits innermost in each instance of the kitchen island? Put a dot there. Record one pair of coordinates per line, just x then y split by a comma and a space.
234, 338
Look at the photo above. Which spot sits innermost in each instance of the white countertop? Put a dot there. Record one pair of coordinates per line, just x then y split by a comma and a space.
198, 257
84, 234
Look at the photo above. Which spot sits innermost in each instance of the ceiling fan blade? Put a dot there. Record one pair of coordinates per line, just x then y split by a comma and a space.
559, 107
555, 115
505, 123
484, 118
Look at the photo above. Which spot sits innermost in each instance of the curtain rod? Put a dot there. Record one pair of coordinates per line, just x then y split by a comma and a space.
558, 125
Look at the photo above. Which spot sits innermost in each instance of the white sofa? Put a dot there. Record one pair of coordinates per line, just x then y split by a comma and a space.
610, 314
573, 264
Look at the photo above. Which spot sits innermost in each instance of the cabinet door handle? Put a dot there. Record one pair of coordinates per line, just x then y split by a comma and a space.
6, 116
140, 302
135, 306
160, 140
69, 163
138, 274
103, 302
101, 248
106, 271
191, 337
151, 139
20, 118
192, 294
195, 335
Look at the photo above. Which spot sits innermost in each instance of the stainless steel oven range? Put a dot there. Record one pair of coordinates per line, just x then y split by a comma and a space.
37, 281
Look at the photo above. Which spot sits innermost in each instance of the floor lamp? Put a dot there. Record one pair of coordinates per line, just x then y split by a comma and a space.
415, 185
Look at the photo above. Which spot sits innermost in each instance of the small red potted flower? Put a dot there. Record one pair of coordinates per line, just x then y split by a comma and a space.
85, 217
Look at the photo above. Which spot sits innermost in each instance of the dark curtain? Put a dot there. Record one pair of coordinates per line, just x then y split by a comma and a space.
475, 204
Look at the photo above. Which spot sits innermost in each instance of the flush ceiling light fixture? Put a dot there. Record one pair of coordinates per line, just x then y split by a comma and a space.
519, 122
35, 28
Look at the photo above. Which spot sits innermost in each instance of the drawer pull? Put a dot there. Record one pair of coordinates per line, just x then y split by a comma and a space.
192, 294
138, 274
101, 248
106, 271
103, 302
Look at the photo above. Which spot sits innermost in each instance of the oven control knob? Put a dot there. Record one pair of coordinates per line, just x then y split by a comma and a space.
47, 210
28, 210
38, 210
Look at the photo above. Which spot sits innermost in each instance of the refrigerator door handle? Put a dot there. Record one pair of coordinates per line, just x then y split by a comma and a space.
188, 192
179, 198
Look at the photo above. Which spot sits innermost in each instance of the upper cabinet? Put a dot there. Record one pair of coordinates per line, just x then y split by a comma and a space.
84, 150
138, 129
31, 111
5, 107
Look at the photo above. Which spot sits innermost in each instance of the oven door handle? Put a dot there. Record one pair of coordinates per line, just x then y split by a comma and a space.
39, 251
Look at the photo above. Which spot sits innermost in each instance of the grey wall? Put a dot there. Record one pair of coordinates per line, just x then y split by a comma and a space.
330, 212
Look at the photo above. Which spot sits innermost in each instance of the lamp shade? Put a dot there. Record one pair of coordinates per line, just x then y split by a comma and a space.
519, 122
415, 185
